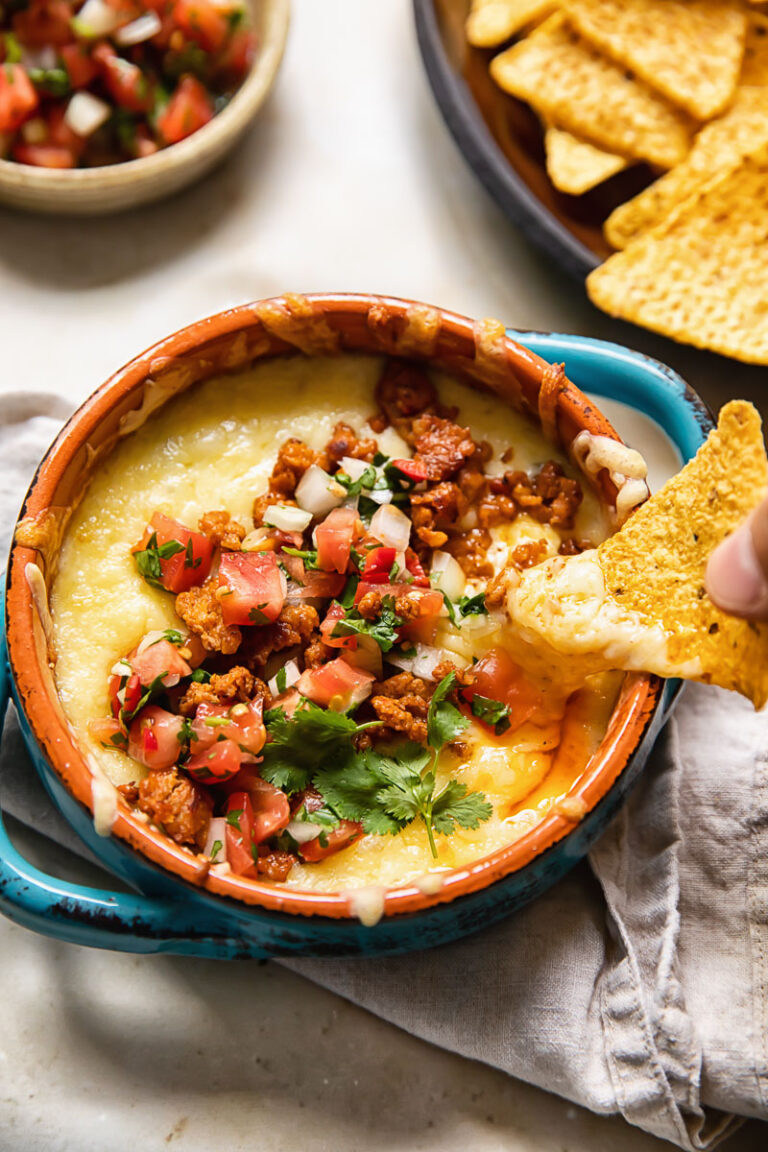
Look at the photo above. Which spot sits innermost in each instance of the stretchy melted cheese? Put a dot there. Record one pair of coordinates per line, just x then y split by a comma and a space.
214, 448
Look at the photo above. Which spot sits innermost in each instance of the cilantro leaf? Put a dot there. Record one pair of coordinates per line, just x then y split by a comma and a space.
233, 818
281, 679
491, 712
200, 676
473, 605
350, 589
355, 487
450, 606
383, 630
307, 555
454, 805
216, 847
444, 721
174, 637
148, 560
300, 746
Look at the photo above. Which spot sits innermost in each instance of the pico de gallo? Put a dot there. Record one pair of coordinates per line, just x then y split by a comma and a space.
329, 653
104, 81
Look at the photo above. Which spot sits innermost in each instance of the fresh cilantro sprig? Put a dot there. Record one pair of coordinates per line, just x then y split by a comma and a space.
307, 555
473, 605
383, 630
299, 746
491, 712
148, 560
355, 487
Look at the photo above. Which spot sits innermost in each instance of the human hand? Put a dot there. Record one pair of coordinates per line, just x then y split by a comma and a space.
737, 573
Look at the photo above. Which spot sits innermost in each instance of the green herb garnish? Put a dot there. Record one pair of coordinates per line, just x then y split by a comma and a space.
491, 712
383, 630
148, 560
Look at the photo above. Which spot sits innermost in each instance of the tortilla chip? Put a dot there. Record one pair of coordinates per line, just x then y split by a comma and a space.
754, 70
700, 276
688, 50
655, 565
576, 89
574, 166
491, 22
719, 147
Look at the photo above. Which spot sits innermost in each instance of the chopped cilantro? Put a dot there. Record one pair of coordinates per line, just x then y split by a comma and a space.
444, 721
311, 738
256, 615
383, 630
200, 676
473, 605
184, 734
350, 590
281, 679
393, 572
491, 712
148, 560
190, 560
307, 555
216, 847
173, 637
51, 81
355, 487
233, 818
450, 606
13, 51
155, 688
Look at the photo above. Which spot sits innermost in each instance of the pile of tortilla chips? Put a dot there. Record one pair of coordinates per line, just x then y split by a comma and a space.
682, 86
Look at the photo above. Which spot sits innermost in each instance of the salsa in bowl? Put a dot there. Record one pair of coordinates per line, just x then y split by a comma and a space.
277, 654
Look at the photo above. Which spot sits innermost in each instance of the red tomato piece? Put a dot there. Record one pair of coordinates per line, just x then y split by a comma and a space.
60, 133
81, 69
271, 810
130, 695
347, 832
153, 737
44, 156
378, 565
238, 55
414, 566
253, 587
187, 567
125, 82
18, 99
143, 144
335, 613
241, 723
238, 834
105, 732
159, 659
498, 677
219, 762
203, 22
334, 539
385, 589
189, 109
336, 685
43, 23
413, 471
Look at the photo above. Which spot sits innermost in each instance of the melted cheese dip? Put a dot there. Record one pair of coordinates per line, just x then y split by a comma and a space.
214, 447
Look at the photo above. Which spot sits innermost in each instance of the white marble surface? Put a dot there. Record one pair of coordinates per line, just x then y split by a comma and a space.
349, 182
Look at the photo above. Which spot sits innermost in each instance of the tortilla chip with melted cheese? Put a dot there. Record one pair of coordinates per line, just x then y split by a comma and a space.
639, 601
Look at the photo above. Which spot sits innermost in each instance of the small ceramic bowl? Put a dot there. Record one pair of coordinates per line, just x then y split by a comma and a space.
184, 907
114, 187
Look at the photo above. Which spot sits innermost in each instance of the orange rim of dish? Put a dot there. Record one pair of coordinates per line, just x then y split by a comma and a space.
230, 341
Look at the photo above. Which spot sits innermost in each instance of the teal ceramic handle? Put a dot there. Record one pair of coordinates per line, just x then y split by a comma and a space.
125, 922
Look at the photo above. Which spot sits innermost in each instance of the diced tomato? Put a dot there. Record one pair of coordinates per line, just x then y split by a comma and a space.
203, 22
18, 98
347, 832
238, 834
143, 144
154, 737
81, 69
107, 732
187, 567
44, 156
378, 565
314, 585
498, 677
219, 762
385, 589
421, 627
336, 685
410, 469
131, 695
125, 82
60, 133
189, 109
244, 726
334, 614
159, 659
414, 566
43, 23
334, 538
238, 54
253, 587
271, 810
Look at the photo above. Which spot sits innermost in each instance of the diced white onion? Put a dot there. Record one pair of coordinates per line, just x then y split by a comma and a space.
482, 625
43, 58
354, 468
392, 527
403, 575
144, 28
421, 663
96, 18
292, 674
86, 113
255, 541
147, 642
302, 831
286, 518
469, 520
381, 496
447, 574
392, 444
318, 493
217, 830
122, 668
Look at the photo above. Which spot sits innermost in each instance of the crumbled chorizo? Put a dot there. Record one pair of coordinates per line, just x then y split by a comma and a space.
402, 392
222, 529
346, 442
238, 684
294, 625
180, 804
464, 676
407, 603
572, 547
275, 865
496, 590
129, 792
200, 609
442, 447
550, 497
406, 714
317, 652
470, 549
293, 459
528, 553
434, 513
403, 684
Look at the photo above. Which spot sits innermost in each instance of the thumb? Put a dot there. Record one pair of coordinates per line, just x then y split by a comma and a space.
737, 573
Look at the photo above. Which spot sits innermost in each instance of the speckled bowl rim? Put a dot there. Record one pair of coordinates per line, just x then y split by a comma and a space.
290, 324
198, 151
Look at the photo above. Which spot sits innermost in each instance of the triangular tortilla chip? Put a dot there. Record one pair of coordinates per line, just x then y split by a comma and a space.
639, 601
491, 22
754, 70
688, 50
575, 88
719, 146
574, 166
700, 276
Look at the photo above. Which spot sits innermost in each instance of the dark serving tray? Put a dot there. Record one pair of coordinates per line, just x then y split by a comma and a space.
502, 140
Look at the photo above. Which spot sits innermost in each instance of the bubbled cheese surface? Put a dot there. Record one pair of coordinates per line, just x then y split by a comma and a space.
214, 447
